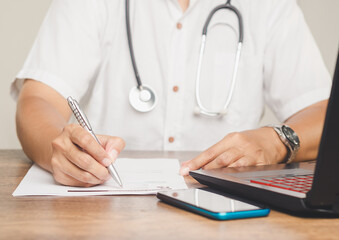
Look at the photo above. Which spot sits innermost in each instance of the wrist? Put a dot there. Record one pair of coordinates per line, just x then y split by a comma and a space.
290, 139
279, 151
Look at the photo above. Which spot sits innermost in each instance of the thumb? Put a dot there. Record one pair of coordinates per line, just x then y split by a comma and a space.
112, 145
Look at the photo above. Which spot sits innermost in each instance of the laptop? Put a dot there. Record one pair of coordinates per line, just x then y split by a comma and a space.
309, 189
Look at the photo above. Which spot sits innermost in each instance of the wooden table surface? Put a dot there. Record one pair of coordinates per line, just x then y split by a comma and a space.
131, 217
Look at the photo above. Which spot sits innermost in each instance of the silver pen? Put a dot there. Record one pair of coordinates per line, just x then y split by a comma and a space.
83, 121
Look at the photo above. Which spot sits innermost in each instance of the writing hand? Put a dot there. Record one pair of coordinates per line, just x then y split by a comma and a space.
78, 160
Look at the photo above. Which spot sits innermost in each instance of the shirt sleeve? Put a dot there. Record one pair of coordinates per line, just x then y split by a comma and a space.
295, 75
66, 53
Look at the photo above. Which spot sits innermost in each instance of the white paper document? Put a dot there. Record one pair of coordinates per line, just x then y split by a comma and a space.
139, 176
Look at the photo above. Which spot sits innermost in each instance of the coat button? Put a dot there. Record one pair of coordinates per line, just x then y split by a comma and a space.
179, 25
171, 139
175, 89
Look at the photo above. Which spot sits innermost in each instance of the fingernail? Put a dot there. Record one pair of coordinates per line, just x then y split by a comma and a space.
113, 154
184, 171
106, 162
108, 177
184, 163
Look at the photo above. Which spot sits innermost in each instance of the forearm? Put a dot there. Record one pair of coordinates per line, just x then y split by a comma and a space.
308, 124
263, 146
38, 123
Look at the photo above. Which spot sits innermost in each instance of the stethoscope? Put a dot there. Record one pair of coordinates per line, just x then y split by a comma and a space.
143, 98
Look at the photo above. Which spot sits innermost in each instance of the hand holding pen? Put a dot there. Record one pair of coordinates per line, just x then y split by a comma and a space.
79, 160
83, 121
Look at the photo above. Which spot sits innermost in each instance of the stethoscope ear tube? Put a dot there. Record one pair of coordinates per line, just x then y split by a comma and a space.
231, 8
202, 109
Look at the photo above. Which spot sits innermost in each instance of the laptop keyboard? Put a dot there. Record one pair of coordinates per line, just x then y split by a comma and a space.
301, 183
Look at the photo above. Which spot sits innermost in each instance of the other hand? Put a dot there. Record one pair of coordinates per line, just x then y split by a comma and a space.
253, 147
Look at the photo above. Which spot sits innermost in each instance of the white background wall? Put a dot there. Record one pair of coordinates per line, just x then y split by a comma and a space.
20, 21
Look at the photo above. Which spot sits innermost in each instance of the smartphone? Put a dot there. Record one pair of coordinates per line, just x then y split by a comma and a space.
212, 204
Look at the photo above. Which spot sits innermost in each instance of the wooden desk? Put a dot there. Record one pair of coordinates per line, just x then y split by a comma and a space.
131, 217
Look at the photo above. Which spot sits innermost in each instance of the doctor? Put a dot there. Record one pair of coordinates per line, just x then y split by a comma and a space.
83, 50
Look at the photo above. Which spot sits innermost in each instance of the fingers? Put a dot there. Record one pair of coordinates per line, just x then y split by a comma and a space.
67, 180
202, 159
70, 160
64, 172
86, 163
244, 162
87, 142
225, 159
231, 158
79, 160
252, 147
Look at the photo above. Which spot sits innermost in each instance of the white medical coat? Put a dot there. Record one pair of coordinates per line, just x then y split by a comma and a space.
81, 51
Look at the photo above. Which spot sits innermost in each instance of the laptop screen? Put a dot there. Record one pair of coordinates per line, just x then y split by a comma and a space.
325, 189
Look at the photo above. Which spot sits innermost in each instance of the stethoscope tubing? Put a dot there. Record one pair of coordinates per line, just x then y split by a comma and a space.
201, 108
231, 8
130, 45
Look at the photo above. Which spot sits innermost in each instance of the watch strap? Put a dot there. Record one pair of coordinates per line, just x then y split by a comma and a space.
291, 148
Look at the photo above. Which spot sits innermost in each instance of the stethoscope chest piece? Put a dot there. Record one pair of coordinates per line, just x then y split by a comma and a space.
142, 100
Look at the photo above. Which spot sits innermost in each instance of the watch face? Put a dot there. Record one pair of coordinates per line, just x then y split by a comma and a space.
290, 135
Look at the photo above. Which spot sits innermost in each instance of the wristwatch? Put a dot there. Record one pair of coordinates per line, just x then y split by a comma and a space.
290, 139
